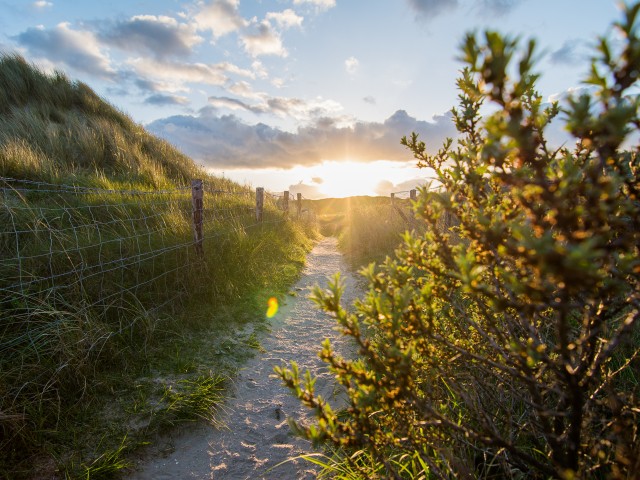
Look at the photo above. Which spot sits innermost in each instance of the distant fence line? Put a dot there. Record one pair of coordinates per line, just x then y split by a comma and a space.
404, 208
58, 242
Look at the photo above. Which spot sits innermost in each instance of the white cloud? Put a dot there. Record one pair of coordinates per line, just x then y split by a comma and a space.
160, 35
285, 19
77, 49
166, 100
296, 108
41, 4
351, 64
319, 4
259, 69
569, 54
179, 72
243, 89
219, 16
227, 142
263, 41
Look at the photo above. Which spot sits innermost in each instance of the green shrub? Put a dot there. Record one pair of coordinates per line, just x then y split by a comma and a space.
505, 346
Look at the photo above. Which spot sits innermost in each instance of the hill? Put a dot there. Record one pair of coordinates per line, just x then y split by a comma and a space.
116, 323
53, 129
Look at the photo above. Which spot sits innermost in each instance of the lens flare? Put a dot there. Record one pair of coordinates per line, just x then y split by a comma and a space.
272, 307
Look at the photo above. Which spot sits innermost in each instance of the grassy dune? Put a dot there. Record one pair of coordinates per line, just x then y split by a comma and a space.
113, 328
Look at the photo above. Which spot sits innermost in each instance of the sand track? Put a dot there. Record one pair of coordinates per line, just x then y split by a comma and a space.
257, 437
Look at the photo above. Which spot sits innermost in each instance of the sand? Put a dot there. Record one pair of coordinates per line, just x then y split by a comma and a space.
257, 438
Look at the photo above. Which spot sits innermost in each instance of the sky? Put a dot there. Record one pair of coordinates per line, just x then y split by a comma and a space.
310, 96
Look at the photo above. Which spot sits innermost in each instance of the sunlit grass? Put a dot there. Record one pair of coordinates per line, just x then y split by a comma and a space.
81, 360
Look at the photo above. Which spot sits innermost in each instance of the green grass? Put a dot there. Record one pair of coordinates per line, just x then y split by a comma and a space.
89, 373
368, 228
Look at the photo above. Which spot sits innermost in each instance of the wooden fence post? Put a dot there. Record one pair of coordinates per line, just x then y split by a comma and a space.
413, 194
259, 203
393, 204
197, 202
299, 205
285, 203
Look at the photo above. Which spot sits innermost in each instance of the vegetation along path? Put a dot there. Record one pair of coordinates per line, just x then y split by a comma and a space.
257, 437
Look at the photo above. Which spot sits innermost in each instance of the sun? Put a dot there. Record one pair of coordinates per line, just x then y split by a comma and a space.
348, 178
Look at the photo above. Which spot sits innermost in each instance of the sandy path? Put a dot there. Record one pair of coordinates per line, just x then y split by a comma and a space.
258, 436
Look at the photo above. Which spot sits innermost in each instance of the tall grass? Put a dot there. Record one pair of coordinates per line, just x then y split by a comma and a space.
368, 228
56, 130
97, 287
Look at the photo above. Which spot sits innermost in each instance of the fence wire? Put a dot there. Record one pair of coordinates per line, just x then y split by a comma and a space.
68, 253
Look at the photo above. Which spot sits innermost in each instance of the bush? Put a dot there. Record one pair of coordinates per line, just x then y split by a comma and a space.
505, 346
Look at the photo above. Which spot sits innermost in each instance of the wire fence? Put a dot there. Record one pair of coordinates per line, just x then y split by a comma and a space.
68, 252
402, 204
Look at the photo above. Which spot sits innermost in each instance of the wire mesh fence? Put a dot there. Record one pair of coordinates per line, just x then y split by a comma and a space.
70, 253
402, 205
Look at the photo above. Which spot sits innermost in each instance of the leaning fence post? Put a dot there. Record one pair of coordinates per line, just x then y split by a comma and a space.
299, 205
285, 203
259, 203
197, 202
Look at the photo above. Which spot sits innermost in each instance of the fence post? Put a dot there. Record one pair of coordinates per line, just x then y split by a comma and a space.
285, 203
259, 203
197, 202
413, 195
299, 205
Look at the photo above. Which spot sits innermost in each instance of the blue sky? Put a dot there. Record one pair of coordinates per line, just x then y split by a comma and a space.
307, 95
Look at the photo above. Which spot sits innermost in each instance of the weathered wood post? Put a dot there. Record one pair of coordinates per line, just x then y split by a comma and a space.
285, 203
259, 203
299, 205
393, 204
197, 202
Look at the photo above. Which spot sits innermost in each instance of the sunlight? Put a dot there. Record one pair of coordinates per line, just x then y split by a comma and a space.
334, 178
348, 178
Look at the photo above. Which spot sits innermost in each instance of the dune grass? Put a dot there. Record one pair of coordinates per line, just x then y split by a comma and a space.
368, 228
114, 329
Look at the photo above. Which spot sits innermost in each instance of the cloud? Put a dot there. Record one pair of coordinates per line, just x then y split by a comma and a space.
369, 99
175, 74
166, 100
493, 8
243, 89
319, 4
227, 142
386, 188
285, 19
264, 40
567, 54
161, 36
259, 69
77, 49
296, 108
317, 180
308, 191
41, 4
351, 64
428, 9
221, 17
